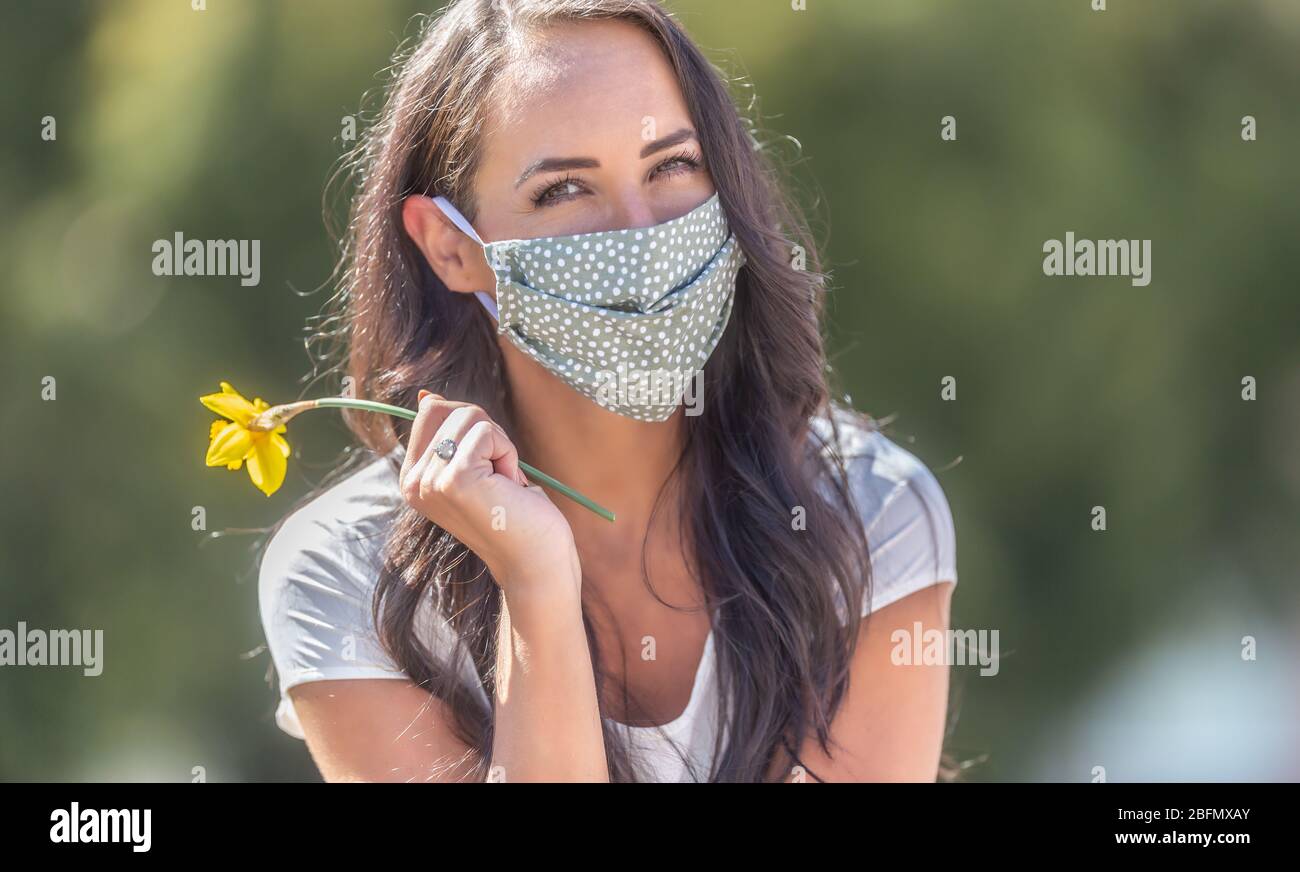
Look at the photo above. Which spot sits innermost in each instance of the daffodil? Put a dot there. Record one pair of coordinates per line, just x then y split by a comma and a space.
237, 439
249, 433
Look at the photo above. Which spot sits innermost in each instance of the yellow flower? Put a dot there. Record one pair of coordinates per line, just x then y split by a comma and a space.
238, 440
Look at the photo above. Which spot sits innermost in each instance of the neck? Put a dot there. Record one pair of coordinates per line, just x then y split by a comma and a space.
617, 461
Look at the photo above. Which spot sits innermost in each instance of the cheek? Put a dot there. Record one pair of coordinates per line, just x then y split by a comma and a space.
675, 197
480, 273
496, 216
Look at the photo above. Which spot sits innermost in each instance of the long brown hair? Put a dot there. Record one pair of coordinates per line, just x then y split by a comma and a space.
778, 590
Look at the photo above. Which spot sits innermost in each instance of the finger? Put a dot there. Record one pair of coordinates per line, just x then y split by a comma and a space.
432, 412
486, 441
454, 426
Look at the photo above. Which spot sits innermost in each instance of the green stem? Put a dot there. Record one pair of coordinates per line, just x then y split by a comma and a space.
531, 471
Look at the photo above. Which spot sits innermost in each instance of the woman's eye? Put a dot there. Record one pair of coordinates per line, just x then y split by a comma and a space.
560, 190
678, 163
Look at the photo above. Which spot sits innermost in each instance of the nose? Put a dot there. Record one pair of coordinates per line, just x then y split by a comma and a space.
632, 209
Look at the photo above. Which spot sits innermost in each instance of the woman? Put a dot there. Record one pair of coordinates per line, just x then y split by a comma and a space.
558, 198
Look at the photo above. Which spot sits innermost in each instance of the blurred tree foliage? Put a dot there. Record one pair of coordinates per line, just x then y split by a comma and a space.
1071, 392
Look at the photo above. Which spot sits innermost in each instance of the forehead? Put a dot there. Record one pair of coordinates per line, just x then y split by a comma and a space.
575, 82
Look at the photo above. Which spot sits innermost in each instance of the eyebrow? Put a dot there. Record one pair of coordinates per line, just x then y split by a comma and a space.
555, 165
560, 164
668, 141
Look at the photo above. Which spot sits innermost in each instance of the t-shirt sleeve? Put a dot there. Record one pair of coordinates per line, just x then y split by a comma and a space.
908, 523
315, 587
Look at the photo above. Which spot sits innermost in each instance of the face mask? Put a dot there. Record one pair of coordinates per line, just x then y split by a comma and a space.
625, 317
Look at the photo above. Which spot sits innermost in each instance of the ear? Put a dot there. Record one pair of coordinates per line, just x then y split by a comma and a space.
455, 258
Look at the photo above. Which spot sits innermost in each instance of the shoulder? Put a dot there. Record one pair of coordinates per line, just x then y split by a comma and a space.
903, 509
344, 527
317, 579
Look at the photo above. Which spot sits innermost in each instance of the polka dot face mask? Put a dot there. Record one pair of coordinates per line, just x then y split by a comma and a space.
625, 317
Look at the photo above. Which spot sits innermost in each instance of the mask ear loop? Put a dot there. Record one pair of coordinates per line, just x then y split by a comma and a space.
465, 227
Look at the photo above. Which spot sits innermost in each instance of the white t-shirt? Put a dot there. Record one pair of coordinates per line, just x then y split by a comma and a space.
319, 573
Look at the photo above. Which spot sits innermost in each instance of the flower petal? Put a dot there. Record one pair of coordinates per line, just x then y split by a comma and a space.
230, 404
281, 443
217, 426
266, 465
232, 443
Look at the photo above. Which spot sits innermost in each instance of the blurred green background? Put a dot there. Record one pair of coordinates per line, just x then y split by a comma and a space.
1120, 648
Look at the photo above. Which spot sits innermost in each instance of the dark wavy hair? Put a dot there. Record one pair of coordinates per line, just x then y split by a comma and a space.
777, 594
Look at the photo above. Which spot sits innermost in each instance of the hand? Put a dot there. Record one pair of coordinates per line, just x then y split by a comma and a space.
482, 498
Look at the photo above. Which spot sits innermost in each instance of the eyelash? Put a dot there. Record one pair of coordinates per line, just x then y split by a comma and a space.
688, 161
543, 195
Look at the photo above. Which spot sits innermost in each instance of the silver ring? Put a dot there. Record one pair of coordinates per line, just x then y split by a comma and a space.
445, 449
